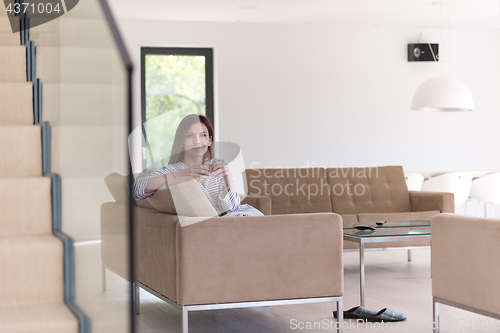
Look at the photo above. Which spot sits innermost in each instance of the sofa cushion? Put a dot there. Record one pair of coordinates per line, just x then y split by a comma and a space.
368, 190
293, 191
393, 217
144, 203
262, 203
118, 187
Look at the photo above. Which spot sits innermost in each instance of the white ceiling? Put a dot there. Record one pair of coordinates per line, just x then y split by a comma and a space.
481, 14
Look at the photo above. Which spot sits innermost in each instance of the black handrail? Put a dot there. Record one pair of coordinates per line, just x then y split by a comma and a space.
128, 65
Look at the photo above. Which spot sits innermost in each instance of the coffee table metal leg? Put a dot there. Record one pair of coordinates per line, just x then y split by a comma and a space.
362, 273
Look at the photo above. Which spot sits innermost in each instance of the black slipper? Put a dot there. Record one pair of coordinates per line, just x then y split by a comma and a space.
357, 312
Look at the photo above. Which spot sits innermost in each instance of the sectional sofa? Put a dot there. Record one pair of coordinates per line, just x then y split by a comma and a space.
358, 195
291, 255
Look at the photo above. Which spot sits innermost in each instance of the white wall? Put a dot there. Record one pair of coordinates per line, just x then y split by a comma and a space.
323, 95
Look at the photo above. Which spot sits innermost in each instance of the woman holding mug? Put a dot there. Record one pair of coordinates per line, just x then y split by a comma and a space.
192, 156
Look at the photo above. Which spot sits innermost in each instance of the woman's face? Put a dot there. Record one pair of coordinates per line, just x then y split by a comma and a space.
197, 140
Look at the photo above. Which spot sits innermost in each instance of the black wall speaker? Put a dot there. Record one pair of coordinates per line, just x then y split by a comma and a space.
423, 52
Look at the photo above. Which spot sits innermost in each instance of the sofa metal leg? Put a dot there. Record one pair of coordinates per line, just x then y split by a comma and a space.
409, 255
435, 316
340, 315
136, 298
184, 320
103, 277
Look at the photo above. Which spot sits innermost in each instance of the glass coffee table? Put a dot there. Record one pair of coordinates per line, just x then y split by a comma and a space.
403, 231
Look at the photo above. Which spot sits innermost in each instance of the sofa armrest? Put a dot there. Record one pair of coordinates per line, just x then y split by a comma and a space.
465, 256
243, 259
260, 202
154, 253
114, 237
427, 201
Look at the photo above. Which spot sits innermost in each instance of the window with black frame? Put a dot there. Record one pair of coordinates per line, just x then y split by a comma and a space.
175, 82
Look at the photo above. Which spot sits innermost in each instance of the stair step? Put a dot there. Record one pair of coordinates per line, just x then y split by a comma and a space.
78, 108
5, 23
16, 107
7, 37
88, 65
12, 64
32, 270
21, 151
74, 32
47, 318
26, 206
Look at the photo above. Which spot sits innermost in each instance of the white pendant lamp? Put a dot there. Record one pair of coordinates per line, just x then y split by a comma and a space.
442, 93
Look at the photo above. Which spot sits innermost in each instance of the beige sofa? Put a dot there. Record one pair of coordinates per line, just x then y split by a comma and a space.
227, 262
291, 255
359, 195
465, 255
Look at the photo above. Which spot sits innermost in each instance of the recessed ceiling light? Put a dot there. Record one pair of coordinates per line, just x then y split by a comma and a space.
247, 6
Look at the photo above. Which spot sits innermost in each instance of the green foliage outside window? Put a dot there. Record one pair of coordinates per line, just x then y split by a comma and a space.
175, 87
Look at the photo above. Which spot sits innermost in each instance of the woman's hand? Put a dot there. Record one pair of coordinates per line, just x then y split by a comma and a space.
220, 169
199, 172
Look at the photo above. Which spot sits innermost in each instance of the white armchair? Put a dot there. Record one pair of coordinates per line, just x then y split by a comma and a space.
414, 181
487, 189
458, 183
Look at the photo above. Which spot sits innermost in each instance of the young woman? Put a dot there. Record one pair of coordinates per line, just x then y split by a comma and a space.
192, 156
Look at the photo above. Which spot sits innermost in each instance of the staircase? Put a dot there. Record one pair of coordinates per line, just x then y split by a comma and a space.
33, 271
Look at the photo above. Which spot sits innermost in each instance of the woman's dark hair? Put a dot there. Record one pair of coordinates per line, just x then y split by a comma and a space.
177, 153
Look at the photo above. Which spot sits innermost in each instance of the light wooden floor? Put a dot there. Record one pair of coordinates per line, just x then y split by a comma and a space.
391, 281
